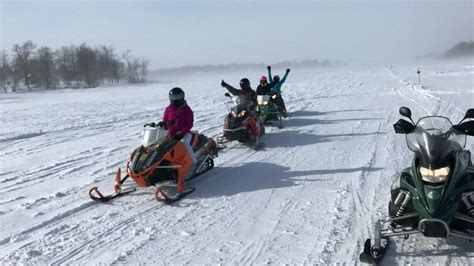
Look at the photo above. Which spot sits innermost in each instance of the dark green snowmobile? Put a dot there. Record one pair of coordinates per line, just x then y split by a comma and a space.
268, 110
433, 197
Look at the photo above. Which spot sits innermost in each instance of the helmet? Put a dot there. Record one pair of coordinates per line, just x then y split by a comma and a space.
276, 78
176, 96
263, 78
245, 84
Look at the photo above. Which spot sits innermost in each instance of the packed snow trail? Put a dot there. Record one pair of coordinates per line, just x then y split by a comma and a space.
310, 196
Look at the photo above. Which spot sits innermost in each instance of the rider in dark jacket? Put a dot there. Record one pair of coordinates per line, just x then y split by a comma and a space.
246, 94
265, 88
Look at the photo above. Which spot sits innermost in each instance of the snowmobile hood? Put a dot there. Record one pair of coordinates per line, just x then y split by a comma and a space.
434, 140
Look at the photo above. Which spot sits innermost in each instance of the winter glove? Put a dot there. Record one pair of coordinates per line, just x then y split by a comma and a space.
269, 67
223, 83
179, 135
287, 70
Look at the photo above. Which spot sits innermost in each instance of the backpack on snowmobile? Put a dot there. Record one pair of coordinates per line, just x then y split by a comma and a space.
268, 110
163, 162
242, 124
435, 195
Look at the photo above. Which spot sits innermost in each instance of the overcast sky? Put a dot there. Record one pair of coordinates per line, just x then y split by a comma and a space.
176, 33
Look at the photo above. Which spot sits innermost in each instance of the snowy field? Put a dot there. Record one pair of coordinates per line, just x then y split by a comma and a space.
310, 196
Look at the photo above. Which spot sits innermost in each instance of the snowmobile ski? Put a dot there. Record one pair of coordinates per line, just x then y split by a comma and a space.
105, 198
117, 187
371, 255
162, 196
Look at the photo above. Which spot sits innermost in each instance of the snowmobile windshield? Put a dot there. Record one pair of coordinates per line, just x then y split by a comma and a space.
239, 108
236, 100
434, 140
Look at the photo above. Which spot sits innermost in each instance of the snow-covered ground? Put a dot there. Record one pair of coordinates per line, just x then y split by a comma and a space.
310, 196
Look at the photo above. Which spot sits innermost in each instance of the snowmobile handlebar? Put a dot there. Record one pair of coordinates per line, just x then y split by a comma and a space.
161, 123
405, 127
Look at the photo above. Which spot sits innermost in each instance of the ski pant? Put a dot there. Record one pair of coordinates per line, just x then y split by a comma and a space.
187, 144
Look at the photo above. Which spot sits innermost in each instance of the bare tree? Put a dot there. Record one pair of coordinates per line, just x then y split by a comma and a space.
16, 74
136, 68
45, 67
144, 63
66, 61
5, 70
118, 70
106, 62
87, 63
129, 68
23, 55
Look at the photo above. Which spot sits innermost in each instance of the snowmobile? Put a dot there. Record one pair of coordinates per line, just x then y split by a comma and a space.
242, 125
433, 197
268, 110
164, 162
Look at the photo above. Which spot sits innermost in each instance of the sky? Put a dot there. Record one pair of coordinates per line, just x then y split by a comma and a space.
177, 33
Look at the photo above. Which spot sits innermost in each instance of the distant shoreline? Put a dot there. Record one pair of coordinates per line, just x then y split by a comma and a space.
241, 66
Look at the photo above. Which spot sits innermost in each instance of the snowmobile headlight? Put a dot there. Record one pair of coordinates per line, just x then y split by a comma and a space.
274, 96
233, 113
434, 175
265, 103
242, 113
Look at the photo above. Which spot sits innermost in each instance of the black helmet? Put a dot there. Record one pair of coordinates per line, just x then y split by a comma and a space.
245, 84
176, 96
276, 78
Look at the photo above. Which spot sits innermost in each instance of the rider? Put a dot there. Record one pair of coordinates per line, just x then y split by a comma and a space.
178, 120
265, 88
246, 94
276, 89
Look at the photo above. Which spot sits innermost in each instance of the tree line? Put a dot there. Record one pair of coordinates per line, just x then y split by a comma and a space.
29, 67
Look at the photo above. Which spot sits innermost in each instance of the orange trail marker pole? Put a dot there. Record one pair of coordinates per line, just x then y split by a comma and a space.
419, 79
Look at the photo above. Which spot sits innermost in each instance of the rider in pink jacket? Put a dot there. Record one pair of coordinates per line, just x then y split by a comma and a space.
178, 119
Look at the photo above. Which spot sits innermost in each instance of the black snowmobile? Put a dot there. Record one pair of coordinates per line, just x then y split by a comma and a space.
433, 197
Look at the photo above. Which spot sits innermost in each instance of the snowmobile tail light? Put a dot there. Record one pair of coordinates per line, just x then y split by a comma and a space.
434, 175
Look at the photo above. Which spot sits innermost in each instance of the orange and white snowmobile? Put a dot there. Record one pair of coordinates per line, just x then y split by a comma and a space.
164, 162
